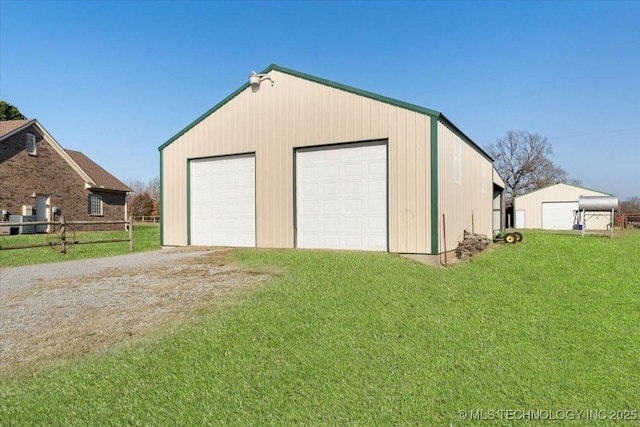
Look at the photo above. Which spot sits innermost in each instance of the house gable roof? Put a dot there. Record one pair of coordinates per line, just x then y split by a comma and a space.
102, 178
346, 88
10, 127
92, 174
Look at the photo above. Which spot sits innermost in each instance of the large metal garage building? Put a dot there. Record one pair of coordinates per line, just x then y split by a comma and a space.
291, 160
554, 207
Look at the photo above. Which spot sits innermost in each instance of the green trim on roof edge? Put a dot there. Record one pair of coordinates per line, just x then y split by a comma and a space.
354, 90
274, 67
375, 96
336, 85
204, 116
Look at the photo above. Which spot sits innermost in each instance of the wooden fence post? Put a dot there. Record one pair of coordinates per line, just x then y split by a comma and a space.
130, 233
63, 235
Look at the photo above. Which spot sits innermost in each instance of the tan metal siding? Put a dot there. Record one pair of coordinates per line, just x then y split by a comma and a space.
296, 112
465, 205
532, 203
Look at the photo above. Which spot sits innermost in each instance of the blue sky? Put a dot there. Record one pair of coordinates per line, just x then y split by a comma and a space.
116, 79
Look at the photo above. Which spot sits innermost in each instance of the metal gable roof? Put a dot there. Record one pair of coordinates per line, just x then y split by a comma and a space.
340, 86
557, 184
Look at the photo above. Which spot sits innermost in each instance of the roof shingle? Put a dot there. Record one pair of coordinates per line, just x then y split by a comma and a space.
101, 177
8, 126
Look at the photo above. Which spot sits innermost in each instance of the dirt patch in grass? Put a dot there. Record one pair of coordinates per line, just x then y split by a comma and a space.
64, 317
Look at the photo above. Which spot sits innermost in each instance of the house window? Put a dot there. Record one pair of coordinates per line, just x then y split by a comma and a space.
95, 204
30, 143
457, 168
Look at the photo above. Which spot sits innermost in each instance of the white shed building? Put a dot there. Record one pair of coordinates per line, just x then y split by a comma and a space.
554, 208
295, 161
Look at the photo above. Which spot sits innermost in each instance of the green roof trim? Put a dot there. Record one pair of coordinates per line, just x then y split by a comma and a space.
274, 67
340, 86
354, 90
448, 123
204, 116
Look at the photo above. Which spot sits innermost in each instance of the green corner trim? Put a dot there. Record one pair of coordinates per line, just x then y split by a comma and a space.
295, 197
161, 204
434, 186
188, 202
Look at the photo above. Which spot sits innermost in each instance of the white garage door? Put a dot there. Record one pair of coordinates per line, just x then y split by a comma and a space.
558, 215
341, 197
223, 202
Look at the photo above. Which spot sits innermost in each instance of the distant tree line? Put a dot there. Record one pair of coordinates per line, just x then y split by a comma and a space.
631, 205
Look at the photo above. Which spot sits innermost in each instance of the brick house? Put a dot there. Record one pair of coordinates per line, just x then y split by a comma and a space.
37, 174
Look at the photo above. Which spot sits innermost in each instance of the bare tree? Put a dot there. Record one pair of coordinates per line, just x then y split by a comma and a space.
523, 160
153, 188
137, 185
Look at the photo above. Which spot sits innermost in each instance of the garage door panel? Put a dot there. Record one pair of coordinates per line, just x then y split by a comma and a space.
353, 187
223, 201
353, 170
353, 224
377, 169
332, 171
331, 206
353, 206
347, 200
558, 215
376, 241
330, 224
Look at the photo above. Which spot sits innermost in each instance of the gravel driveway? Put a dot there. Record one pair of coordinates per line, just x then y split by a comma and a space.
63, 309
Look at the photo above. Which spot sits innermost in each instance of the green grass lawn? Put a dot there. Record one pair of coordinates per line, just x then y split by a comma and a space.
146, 237
349, 338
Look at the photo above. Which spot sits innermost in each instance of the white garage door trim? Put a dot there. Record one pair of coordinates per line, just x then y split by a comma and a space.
222, 201
341, 197
558, 215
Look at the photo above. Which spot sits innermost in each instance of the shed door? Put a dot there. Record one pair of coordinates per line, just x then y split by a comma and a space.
41, 212
521, 215
223, 201
341, 197
558, 215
